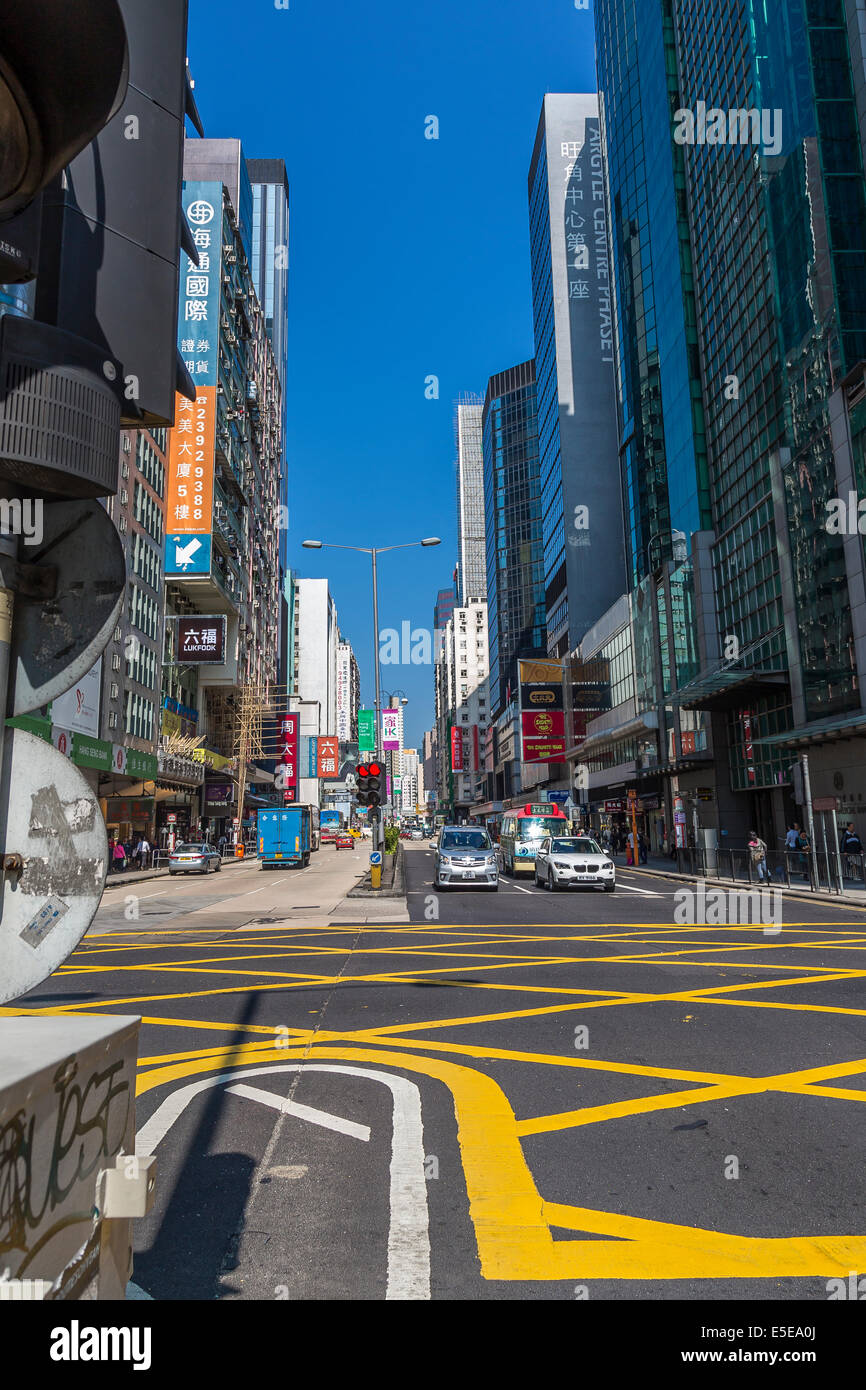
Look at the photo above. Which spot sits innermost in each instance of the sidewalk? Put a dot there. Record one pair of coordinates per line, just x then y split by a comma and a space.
661, 866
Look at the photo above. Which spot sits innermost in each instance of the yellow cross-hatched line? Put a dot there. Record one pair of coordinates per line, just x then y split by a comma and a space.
514, 1225
470, 953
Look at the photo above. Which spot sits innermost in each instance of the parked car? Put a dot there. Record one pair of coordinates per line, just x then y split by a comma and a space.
194, 859
465, 857
569, 861
343, 840
417, 835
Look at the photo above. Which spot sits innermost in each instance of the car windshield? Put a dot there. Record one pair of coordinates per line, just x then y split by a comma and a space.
574, 846
537, 827
189, 849
465, 839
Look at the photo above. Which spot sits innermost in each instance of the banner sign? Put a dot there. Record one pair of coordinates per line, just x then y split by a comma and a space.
390, 730
366, 731
328, 756
456, 750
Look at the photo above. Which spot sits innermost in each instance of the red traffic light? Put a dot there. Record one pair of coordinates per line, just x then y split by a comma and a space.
374, 770
363, 770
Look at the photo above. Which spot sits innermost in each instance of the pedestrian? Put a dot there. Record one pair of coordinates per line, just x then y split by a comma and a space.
221, 844
629, 855
851, 846
119, 857
642, 847
758, 856
143, 852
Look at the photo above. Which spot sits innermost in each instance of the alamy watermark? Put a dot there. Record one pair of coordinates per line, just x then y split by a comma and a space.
22, 518
712, 125
721, 907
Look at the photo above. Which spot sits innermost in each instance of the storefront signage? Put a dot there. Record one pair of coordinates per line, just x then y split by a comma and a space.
201, 639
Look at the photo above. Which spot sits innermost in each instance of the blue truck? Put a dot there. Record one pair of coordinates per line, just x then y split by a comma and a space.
285, 837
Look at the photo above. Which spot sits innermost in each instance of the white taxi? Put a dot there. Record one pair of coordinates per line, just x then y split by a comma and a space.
568, 861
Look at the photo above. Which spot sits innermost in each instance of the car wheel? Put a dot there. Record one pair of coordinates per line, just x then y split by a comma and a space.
551, 881
609, 887
493, 888
219, 865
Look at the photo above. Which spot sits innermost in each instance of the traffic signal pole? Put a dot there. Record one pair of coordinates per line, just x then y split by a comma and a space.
378, 836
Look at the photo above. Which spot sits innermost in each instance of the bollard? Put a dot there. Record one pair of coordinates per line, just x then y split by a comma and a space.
239, 851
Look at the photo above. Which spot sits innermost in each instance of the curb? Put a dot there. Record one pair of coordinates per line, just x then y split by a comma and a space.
798, 893
148, 875
397, 889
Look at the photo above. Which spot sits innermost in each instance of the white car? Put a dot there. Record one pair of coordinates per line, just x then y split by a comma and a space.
566, 861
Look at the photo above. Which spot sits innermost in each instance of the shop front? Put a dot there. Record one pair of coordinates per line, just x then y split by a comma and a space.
178, 799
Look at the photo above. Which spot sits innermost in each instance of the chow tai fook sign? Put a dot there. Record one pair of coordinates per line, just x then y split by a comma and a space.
328, 760
201, 639
542, 718
289, 732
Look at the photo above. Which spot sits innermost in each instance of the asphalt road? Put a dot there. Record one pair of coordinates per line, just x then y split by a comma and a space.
519, 1095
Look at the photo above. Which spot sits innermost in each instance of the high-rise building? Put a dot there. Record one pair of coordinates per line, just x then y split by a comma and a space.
738, 208
581, 498
270, 270
512, 506
223, 473
462, 707
471, 560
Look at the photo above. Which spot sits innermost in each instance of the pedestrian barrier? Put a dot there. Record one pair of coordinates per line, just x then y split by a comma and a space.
783, 868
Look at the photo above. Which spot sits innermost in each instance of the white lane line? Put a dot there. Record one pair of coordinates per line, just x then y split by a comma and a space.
254, 890
409, 1231
303, 1112
631, 888
145, 896
518, 888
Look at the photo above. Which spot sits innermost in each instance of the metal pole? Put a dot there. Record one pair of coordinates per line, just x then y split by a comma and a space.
826, 855
378, 835
807, 793
836, 850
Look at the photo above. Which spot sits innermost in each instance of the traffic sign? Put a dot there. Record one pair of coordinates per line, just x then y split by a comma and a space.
375, 856
824, 803
56, 641
171, 818
55, 824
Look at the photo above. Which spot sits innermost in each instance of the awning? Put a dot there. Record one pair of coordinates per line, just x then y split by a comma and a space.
820, 731
727, 689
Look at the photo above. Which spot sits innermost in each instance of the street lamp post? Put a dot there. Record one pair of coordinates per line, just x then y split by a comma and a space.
374, 552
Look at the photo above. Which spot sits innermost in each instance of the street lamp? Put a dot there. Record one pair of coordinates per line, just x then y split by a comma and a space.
373, 552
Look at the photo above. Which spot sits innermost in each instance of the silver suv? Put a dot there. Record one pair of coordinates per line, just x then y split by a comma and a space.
466, 857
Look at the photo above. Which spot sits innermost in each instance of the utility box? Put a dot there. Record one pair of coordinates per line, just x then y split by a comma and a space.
67, 1118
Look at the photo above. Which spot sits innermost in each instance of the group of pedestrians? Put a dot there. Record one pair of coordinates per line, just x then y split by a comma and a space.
122, 853
619, 842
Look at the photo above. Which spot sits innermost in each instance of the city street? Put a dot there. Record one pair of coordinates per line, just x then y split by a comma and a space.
511, 1095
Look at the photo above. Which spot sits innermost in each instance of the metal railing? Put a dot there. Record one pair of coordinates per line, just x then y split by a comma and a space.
782, 868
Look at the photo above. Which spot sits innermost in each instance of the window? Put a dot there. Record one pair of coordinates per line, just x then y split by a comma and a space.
115, 662
112, 719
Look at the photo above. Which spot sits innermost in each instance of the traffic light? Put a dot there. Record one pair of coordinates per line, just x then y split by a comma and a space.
370, 777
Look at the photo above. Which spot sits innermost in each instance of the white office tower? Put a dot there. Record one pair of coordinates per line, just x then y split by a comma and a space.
471, 544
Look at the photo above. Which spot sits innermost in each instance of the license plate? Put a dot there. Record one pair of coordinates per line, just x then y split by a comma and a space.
278, 856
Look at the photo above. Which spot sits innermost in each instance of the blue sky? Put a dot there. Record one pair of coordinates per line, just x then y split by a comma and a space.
408, 257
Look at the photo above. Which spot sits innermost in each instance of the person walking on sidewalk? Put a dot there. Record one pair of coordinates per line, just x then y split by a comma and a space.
851, 846
758, 856
119, 857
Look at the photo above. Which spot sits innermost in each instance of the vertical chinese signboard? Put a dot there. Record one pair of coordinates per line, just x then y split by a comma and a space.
390, 730
189, 487
289, 759
456, 750
328, 756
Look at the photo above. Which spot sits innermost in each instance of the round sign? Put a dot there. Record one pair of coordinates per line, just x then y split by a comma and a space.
55, 824
171, 819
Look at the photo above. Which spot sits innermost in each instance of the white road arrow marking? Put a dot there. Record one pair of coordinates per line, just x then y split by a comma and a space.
409, 1230
303, 1112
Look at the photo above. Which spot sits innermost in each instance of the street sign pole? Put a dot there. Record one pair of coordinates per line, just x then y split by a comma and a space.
807, 792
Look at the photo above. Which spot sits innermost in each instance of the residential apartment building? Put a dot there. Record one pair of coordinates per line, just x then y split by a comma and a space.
463, 708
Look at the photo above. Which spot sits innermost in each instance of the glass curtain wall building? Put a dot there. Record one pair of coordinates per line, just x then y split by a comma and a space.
764, 305
512, 507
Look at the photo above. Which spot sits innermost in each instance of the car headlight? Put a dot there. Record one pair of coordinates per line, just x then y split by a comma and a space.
444, 859
558, 865
608, 864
